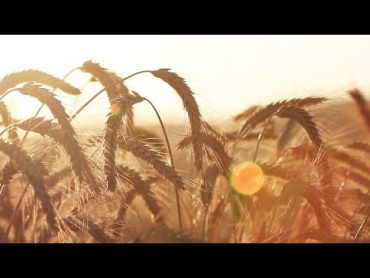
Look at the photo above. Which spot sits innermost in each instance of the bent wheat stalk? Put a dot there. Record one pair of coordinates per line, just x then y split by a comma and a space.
112, 127
172, 161
35, 76
142, 187
190, 105
7, 121
362, 106
305, 120
24, 162
270, 110
79, 161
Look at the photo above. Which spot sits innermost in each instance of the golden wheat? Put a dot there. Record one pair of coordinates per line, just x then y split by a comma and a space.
35, 76
314, 191
191, 107
35, 176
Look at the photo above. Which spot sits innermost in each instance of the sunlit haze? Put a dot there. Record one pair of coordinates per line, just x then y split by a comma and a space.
227, 73
293, 166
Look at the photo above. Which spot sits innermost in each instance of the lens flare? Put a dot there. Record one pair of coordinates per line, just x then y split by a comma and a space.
115, 109
247, 178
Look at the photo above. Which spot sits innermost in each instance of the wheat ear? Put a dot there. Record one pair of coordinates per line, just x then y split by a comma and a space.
24, 162
191, 107
144, 152
264, 113
79, 161
36, 76
362, 106
141, 187
305, 120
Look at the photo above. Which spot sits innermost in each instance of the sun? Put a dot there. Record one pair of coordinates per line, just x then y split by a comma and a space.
23, 107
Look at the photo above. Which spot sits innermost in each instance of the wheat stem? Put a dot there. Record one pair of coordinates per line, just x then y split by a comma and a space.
43, 104
205, 223
136, 73
363, 225
260, 136
8, 92
172, 161
28, 130
11, 221
87, 103
7, 128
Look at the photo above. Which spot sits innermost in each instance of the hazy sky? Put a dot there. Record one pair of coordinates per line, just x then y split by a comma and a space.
227, 73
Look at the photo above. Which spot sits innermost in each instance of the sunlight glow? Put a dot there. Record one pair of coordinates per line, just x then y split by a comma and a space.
226, 73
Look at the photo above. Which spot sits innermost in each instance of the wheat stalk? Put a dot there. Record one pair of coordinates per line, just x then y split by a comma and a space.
362, 105
141, 187
264, 113
129, 125
36, 76
144, 152
217, 149
48, 98
350, 160
246, 114
8, 172
121, 102
296, 102
191, 107
112, 126
112, 83
305, 120
233, 136
151, 138
360, 146
8, 121
77, 224
79, 161
125, 203
24, 162
58, 176
286, 136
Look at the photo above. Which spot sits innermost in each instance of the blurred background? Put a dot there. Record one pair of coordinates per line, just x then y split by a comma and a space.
227, 73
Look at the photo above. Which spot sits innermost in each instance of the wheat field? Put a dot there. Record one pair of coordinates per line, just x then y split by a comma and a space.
296, 170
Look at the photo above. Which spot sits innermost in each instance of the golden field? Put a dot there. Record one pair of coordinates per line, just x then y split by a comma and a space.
296, 170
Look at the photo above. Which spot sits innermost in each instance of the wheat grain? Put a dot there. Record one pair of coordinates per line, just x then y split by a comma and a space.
208, 183
129, 121
191, 107
55, 106
249, 112
215, 147
112, 126
350, 160
287, 136
79, 161
58, 176
7, 173
7, 120
141, 187
36, 76
145, 153
24, 162
270, 110
77, 224
362, 105
151, 138
112, 83
305, 120
125, 203
360, 146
